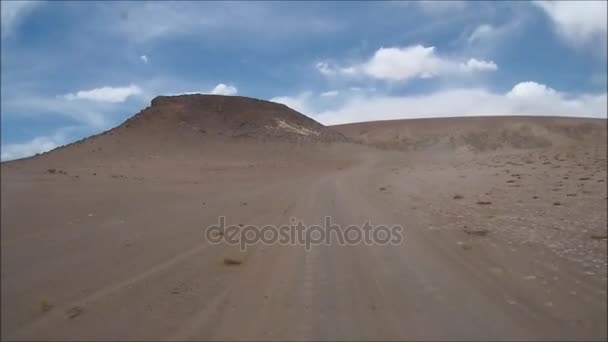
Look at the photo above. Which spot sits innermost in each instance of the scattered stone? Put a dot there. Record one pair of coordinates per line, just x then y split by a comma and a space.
45, 306
476, 232
232, 262
74, 312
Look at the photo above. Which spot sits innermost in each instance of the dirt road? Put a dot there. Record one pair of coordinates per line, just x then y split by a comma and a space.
100, 257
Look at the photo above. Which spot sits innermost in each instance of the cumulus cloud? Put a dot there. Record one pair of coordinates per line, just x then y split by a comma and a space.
578, 22
408, 63
105, 94
400, 64
223, 89
525, 98
531, 90
12, 14
144, 59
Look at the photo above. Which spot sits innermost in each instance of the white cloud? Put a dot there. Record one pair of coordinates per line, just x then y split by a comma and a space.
223, 89
482, 33
407, 63
220, 89
12, 14
486, 38
329, 69
300, 103
400, 64
531, 90
105, 94
525, 98
479, 65
324, 68
578, 22
37, 145
144, 59
91, 114
30, 148
330, 93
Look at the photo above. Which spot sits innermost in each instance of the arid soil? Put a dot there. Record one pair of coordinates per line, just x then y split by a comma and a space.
501, 242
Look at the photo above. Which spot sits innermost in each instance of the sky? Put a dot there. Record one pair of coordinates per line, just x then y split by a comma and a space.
72, 69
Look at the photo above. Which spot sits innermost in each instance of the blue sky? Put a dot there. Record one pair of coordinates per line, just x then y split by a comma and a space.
71, 69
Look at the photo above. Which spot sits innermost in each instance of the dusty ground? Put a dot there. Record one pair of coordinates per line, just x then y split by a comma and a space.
506, 244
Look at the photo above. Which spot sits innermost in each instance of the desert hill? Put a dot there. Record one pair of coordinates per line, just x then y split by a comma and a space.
217, 116
477, 133
235, 127
198, 124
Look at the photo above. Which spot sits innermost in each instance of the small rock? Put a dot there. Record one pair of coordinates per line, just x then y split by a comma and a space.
74, 312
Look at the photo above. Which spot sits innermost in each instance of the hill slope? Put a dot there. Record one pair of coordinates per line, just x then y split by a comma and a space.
183, 124
476, 133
